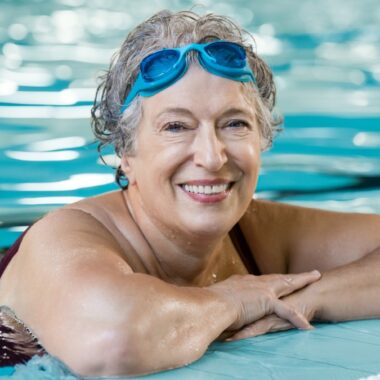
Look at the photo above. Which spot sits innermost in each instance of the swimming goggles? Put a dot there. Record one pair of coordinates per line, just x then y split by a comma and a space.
162, 68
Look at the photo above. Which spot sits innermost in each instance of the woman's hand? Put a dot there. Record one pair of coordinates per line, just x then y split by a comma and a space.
301, 300
254, 297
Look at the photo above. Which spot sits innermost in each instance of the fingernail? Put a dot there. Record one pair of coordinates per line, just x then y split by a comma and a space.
306, 323
316, 272
308, 327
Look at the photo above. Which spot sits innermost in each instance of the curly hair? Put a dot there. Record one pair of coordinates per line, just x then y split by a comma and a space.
166, 29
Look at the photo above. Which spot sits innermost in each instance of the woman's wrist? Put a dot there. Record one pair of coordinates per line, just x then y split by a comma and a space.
224, 302
308, 301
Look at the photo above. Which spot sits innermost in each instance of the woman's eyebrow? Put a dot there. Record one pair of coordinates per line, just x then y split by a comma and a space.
235, 110
184, 111
175, 110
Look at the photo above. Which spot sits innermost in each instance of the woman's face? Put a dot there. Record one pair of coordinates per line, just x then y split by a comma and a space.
197, 155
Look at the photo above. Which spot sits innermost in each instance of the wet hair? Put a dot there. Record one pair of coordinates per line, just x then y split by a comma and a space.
167, 29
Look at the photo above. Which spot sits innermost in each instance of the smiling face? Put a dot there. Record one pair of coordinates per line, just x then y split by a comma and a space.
197, 156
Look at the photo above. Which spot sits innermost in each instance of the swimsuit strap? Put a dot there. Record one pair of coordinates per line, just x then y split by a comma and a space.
242, 248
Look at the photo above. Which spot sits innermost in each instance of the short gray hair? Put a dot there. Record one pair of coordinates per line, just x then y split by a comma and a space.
167, 29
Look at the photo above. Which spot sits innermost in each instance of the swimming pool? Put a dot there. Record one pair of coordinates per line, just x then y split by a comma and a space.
325, 56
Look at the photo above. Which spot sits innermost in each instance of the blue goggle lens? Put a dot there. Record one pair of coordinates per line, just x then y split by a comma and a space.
158, 64
227, 54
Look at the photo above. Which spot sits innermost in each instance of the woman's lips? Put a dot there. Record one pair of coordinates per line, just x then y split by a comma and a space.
207, 191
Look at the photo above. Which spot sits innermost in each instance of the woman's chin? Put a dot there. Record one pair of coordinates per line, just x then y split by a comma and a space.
206, 226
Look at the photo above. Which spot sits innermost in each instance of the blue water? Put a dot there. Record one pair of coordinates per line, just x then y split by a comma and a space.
325, 55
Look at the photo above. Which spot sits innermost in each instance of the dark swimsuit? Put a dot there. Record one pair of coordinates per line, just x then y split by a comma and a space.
11, 252
242, 248
18, 345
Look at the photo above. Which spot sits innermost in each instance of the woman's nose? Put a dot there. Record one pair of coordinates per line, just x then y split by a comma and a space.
209, 149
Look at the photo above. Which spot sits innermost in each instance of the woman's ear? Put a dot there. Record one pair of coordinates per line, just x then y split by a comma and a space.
127, 167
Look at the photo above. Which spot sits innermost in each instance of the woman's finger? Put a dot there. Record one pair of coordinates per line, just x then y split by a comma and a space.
286, 317
270, 323
289, 313
289, 283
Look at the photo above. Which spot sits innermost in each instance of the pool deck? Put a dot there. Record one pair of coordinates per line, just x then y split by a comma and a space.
349, 350
346, 351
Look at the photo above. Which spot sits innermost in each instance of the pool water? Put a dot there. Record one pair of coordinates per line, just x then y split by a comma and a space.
325, 55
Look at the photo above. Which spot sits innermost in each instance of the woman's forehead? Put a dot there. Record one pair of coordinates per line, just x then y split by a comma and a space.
199, 91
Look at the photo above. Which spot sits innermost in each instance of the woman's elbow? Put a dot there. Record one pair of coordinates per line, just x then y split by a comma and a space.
127, 352
108, 352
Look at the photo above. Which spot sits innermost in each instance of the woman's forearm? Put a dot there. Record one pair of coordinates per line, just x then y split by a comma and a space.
161, 326
181, 322
346, 293
174, 328
143, 325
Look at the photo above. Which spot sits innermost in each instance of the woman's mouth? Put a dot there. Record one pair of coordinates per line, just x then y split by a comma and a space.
207, 193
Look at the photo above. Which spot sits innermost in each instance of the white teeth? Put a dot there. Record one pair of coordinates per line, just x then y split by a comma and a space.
215, 189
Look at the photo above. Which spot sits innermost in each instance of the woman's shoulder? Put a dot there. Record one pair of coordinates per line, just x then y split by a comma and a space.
278, 215
286, 237
76, 225
108, 210
276, 225
268, 228
95, 228
101, 207
106, 213
92, 222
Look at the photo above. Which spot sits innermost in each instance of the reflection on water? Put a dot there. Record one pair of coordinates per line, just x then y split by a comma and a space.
325, 56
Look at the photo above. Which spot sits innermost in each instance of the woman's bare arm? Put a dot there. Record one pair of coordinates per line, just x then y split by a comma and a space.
88, 308
346, 248
348, 292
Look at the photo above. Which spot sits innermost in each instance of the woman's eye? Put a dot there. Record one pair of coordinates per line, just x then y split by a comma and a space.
238, 124
174, 127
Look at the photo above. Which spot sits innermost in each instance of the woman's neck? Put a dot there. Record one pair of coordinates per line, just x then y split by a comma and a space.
184, 258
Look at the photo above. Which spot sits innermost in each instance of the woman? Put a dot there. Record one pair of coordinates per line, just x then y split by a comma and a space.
144, 279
